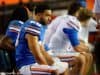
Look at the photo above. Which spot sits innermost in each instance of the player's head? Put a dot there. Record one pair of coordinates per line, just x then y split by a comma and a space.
84, 15
43, 14
74, 8
20, 13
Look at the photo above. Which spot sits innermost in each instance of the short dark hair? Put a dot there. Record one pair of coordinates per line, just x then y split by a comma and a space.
20, 13
74, 7
30, 7
84, 14
41, 8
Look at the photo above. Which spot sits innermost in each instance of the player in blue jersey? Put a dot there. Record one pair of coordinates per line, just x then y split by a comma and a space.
9, 40
13, 30
19, 14
28, 51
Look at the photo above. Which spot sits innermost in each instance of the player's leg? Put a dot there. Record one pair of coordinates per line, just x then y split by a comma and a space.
62, 67
66, 72
89, 60
83, 65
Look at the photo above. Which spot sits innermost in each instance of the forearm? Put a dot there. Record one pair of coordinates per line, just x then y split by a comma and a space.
38, 55
35, 49
81, 47
40, 59
46, 55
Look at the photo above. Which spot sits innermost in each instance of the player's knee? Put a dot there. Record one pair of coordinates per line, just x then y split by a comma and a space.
89, 56
83, 59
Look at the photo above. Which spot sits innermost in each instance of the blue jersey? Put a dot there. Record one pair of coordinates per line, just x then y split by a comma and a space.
12, 32
23, 54
42, 33
14, 29
41, 38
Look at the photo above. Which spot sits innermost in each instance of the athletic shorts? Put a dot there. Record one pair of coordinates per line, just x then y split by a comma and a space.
34, 69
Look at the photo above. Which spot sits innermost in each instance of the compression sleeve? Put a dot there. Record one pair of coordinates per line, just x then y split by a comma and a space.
72, 35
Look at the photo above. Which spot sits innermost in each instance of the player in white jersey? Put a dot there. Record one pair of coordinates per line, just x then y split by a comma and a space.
62, 38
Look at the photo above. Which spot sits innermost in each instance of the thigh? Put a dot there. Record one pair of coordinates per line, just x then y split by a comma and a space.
25, 70
36, 69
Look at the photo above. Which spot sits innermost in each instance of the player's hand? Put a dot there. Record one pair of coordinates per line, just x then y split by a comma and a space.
6, 43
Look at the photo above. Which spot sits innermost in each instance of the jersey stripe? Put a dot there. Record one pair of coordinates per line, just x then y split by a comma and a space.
15, 29
73, 25
36, 23
34, 27
32, 30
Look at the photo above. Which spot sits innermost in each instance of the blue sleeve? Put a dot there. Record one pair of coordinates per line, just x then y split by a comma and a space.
72, 35
32, 27
13, 29
12, 35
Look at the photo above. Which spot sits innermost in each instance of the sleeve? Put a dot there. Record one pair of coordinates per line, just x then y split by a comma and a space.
74, 24
32, 27
72, 35
13, 29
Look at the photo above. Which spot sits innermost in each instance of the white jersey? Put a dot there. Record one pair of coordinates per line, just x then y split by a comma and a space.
90, 27
51, 30
58, 40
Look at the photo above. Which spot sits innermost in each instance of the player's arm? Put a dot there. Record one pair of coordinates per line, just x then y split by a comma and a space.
7, 40
46, 55
6, 43
76, 43
35, 48
32, 32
